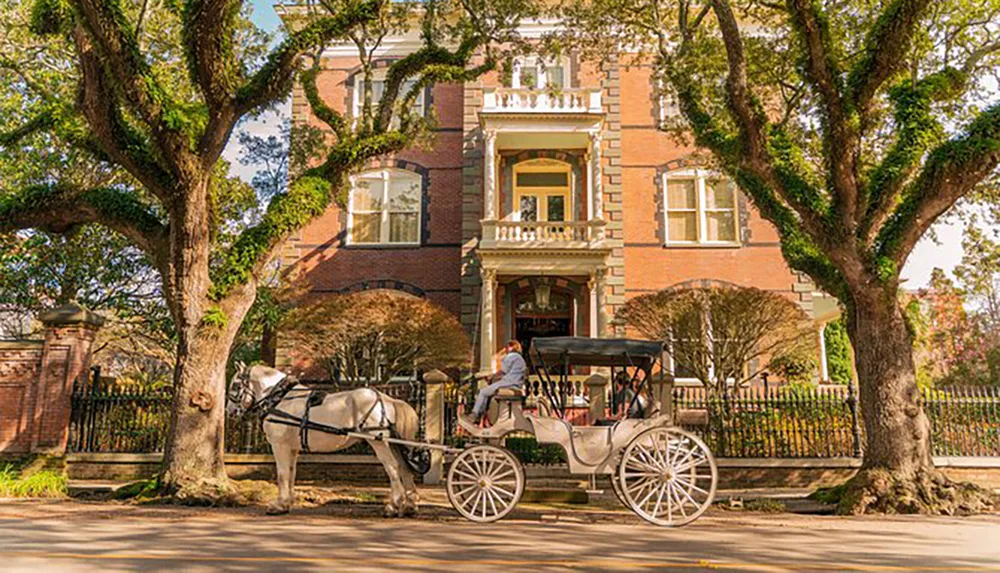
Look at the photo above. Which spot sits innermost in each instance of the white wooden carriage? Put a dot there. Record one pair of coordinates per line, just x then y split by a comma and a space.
665, 475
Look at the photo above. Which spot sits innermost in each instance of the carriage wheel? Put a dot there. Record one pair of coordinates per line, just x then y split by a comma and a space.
616, 486
485, 483
668, 476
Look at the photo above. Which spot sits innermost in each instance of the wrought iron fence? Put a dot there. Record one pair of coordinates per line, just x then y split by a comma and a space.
779, 422
112, 417
826, 422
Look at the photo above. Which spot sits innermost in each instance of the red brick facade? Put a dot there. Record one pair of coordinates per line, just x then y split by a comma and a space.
633, 154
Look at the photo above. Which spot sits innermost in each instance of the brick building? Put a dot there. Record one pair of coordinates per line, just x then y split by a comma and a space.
540, 207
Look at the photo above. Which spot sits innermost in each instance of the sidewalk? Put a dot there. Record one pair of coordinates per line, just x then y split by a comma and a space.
794, 499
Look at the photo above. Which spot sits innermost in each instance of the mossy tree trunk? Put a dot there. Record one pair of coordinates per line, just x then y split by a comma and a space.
121, 106
898, 473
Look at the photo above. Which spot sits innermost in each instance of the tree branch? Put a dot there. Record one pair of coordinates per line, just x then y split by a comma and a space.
57, 208
274, 79
918, 131
320, 109
116, 138
208, 35
841, 136
124, 66
884, 51
951, 171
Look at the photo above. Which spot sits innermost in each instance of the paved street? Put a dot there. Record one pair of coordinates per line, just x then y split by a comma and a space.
74, 536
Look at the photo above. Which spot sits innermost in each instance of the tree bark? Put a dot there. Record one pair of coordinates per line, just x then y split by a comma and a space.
897, 474
193, 466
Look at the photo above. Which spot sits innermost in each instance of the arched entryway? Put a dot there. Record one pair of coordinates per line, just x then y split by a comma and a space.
543, 307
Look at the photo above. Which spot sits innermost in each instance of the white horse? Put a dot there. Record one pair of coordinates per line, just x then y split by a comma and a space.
356, 410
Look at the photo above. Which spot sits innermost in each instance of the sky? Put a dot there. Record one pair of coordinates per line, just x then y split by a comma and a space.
944, 252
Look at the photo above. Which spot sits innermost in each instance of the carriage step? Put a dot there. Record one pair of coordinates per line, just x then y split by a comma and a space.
595, 491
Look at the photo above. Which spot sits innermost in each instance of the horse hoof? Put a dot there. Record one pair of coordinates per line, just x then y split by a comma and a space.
410, 511
277, 510
389, 510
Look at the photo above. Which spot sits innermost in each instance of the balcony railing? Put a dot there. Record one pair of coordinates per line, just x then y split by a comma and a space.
543, 234
524, 100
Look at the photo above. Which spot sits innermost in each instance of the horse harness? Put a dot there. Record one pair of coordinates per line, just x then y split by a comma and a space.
269, 412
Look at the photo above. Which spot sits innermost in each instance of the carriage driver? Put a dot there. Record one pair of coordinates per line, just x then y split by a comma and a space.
511, 375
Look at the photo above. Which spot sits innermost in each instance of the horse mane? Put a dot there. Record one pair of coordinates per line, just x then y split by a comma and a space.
266, 375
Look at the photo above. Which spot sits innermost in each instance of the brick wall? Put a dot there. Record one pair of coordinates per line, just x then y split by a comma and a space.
36, 381
20, 363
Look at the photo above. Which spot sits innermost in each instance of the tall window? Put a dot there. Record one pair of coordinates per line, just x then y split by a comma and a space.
542, 191
384, 208
700, 207
378, 88
533, 72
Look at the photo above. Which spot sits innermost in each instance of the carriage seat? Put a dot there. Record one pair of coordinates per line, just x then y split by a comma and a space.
504, 402
509, 394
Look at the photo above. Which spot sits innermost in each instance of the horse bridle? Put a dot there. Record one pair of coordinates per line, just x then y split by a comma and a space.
239, 391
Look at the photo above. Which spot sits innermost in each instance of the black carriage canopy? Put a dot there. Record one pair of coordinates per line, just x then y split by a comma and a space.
580, 351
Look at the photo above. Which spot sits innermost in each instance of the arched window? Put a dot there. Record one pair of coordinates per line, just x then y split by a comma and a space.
384, 208
542, 190
700, 207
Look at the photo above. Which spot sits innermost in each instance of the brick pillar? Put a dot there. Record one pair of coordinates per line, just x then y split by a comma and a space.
66, 352
434, 422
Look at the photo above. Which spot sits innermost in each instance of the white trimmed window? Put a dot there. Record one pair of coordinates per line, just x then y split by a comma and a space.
384, 208
700, 208
669, 106
378, 88
534, 72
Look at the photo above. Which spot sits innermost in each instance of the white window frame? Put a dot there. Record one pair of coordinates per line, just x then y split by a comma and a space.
386, 175
543, 165
700, 177
540, 64
379, 75
668, 102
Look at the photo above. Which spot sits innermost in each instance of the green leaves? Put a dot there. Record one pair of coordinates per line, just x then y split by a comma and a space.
50, 17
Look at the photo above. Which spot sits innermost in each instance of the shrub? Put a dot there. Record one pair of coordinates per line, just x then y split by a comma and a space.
44, 483
838, 352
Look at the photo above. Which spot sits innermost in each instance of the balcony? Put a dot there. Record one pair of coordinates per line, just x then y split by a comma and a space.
580, 101
543, 235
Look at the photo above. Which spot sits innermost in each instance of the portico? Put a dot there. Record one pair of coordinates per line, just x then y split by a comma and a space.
543, 223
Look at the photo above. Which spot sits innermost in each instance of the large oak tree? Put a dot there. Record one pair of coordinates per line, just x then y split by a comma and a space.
852, 125
165, 130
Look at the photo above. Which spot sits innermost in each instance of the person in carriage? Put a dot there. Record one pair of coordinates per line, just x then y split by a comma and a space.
512, 374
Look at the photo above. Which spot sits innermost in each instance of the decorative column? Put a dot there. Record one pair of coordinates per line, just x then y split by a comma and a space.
598, 302
824, 368
594, 176
434, 382
490, 165
487, 326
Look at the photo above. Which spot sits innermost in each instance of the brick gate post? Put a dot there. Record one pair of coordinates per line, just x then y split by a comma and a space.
69, 336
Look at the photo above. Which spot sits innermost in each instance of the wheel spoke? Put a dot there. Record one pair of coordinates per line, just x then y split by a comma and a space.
680, 504
659, 500
489, 495
691, 485
461, 493
636, 464
509, 472
475, 501
468, 475
691, 499
509, 494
